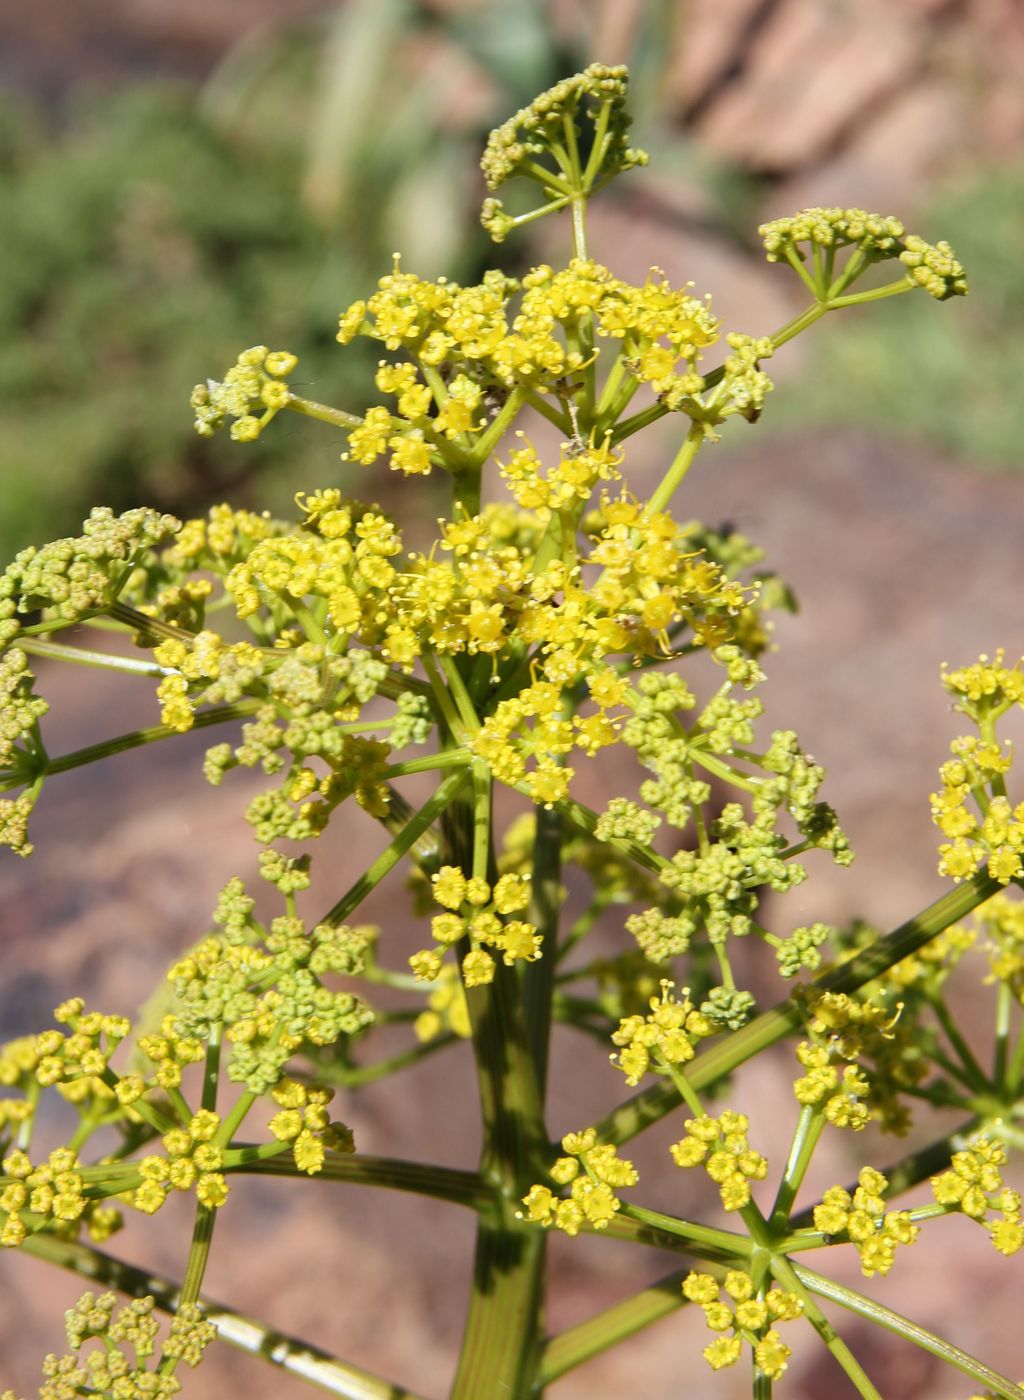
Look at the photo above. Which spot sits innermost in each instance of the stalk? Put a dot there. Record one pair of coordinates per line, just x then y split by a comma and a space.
438, 1183
538, 977
606, 1329
501, 1342
403, 842
136, 738
793, 1282
849, 1298
103, 660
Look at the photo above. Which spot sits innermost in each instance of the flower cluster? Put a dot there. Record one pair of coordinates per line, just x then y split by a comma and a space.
52, 1191
75, 1062
832, 228
20, 710
550, 128
987, 688
876, 238
717, 883
839, 1094
720, 1145
667, 1035
862, 1219
76, 576
992, 834
69, 579
270, 999
303, 1121
252, 393
972, 809
193, 1161
489, 347
974, 1185
750, 1316
475, 912
802, 949
593, 1172
888, 1029
1001, 919
562, 487
111, 1370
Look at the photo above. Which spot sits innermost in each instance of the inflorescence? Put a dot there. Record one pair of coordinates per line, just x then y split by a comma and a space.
528, 636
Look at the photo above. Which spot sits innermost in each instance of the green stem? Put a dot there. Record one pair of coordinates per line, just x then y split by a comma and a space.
467, 483
429, 763
538, 977
457, 689
230, 1125
211, 1072
762, 1385
640, 420
875, 1312
533, 214
136, 738
159, 1121
797, 264
547, 179
443, 699
579, 226
142, 622
1004, 1009
799, 323
673, 478
805, 1140
854, 266
1015, 1068
289, 1354
107, 661
195, 1268
337, 417
180, 1104
722, 770
459, 1188
612, 381
607, 1328
891, 289
683, 1088
410, 833
501, 1343
976, 1076
722, 1245
547, 410
502, 1337
356, 1076
499, 425
199, 1253
308, 621
792, 1280
599, 147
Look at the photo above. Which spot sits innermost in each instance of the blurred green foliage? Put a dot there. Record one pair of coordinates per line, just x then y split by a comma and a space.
136, 247
954, 387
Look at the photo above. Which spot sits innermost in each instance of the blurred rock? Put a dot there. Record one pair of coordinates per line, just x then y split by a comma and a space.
812, 72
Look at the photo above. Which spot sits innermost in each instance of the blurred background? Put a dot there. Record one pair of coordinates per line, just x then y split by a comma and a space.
181, 178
